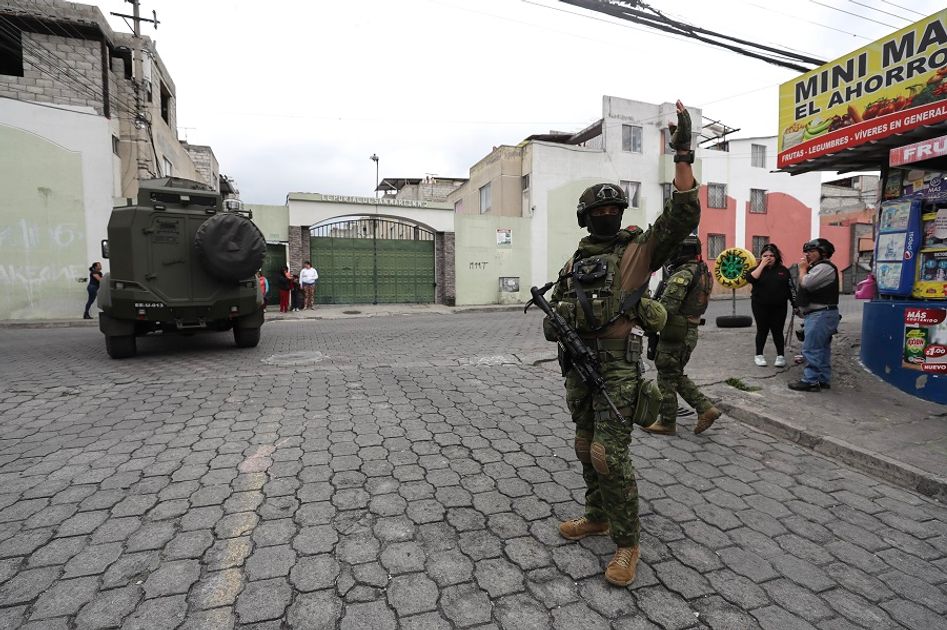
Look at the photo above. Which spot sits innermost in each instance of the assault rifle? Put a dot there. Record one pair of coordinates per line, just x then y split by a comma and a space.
583, 359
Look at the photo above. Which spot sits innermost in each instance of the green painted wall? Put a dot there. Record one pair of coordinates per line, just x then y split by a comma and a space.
42, 229
273, 221
564, 232
481, 261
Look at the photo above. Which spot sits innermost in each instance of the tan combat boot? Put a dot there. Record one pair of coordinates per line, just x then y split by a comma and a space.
660, 428
623, 567
579, 528
706, 418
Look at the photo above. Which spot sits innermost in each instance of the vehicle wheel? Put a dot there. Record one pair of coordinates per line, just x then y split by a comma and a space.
734, 321
120, 346
246, 337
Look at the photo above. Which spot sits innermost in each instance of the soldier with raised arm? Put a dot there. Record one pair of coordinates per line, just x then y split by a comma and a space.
600, 294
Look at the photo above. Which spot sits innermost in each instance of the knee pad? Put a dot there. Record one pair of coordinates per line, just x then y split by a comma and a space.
583, 449
599, 462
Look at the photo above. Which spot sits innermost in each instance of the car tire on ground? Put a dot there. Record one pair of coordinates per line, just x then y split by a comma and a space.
734, 321
120, 346
246, 337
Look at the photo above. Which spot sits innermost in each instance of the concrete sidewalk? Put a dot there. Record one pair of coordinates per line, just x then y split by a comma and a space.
862, 421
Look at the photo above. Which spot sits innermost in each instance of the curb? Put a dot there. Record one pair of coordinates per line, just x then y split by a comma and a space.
451, 310
49, 323
861, 459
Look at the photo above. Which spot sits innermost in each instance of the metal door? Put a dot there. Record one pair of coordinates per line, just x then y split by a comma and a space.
272, 265
372, 260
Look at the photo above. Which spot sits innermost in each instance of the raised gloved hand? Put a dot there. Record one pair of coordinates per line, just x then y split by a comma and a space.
681, 132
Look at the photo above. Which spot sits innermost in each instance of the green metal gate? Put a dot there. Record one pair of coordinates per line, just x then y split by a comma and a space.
272, 266
373, 260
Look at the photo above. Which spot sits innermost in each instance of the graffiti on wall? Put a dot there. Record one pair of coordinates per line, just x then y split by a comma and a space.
42, 228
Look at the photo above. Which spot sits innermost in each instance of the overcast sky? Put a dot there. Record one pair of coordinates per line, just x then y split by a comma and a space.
294, 96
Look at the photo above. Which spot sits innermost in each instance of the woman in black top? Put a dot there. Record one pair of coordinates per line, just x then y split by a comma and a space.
95, 278
772, 291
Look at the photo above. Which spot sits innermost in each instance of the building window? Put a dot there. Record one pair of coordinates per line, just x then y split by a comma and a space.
757, 201
168, 167
525, 182
631, 138
115, 142
758, 155
485, 199
632, 192
11, 52
666, 192
716, 195
459, 206
758, 243
716, 243
165, 104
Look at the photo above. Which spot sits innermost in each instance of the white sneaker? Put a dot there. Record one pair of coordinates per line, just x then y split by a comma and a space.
780, 361
759, 360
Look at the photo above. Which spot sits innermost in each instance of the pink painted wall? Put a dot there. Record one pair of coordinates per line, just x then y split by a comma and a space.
716, 220
787, 223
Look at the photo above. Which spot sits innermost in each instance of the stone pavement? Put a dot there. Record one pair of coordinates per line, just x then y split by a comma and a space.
410, 472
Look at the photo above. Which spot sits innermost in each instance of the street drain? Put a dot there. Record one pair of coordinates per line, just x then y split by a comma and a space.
351, 312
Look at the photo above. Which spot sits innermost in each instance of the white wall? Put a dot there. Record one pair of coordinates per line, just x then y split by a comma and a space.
313, 208
561, 172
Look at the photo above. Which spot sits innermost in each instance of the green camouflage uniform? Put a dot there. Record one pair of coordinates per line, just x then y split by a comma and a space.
678, 340
601, 441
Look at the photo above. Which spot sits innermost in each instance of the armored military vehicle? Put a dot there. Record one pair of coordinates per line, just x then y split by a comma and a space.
182, 260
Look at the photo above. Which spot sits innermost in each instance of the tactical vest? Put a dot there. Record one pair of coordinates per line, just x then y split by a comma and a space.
592, 297
827, 295
698, 292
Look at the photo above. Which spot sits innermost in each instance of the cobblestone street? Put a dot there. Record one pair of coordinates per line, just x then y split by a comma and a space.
410, 472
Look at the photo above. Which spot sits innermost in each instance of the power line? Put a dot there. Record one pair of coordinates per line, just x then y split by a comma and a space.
796, 17
829, 6
904, 8
879, 10
657, 20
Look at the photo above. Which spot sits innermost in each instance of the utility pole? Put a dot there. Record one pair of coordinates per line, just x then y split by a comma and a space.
142, 122
374, 158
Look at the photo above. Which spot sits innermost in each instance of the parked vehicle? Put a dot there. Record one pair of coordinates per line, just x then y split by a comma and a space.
182, 260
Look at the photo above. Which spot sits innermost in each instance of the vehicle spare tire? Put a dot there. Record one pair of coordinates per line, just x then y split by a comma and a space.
230, 246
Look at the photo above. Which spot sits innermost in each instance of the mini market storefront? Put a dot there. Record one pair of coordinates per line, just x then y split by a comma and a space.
884, 107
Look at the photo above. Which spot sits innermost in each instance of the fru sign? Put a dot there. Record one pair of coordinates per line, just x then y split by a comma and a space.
919, 151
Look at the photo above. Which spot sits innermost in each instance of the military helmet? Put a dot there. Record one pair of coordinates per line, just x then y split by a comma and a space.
688, 248
599, 195
822, 245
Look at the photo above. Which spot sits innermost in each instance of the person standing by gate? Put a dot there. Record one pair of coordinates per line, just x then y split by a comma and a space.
309, 278
284, 282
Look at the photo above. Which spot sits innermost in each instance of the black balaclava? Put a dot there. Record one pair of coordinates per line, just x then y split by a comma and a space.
605, 226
